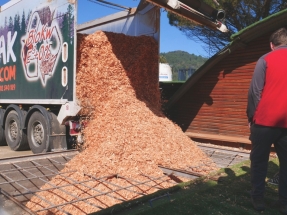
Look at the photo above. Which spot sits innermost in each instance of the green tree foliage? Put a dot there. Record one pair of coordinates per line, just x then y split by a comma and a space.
17, 28
68, 25
23, 24
162, 59
181, 60
10, 25
17, 22
239, 14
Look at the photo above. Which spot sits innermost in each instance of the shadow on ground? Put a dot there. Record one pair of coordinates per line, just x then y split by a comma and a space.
224, 192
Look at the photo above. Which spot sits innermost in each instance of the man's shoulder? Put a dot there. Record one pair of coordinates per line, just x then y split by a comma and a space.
267, 54
282, 50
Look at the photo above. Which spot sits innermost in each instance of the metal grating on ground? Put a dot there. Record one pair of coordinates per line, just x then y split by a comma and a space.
224, 158
22, 178
19, 181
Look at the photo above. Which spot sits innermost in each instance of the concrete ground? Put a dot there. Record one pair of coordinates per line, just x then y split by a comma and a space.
8, 205
6, 152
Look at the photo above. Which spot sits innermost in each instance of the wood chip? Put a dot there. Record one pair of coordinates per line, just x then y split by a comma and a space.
127, 133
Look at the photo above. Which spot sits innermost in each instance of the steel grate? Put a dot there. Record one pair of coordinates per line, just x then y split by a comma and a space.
23, 178
21, 181
224, 158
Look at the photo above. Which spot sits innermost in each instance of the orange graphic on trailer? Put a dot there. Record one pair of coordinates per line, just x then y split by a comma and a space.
41, 45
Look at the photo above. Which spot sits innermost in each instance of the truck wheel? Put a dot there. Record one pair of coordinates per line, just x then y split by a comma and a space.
15, 137
2, 133
38, 138
2, 137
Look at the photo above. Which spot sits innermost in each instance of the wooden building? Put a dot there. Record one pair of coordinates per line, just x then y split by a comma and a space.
212, 104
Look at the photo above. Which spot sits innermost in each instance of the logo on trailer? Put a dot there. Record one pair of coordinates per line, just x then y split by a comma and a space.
41, 45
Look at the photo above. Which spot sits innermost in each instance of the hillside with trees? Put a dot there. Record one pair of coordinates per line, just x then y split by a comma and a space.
182, 61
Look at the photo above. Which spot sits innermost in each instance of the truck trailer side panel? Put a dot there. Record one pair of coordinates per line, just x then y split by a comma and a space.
37, 45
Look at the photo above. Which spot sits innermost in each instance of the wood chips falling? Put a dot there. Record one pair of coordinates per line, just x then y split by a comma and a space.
127, 134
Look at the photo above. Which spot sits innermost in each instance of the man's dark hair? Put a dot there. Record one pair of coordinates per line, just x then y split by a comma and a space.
279, 37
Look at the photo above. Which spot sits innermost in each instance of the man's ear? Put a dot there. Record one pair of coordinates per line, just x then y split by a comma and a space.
272, 46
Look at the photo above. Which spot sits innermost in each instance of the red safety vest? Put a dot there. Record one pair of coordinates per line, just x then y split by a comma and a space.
272, 107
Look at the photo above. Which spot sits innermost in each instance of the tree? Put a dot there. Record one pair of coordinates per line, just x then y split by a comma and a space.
70, 11
162, 59
239, 14
23, 24
68, 25
16, 23
10, 25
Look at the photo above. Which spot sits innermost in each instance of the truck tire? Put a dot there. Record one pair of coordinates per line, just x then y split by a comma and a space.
2, 132
15, 137
38, 137
2, 136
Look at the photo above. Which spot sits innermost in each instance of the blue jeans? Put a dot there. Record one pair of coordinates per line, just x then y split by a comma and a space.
262, 137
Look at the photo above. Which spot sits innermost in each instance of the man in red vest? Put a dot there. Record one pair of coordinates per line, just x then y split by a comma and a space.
267, 115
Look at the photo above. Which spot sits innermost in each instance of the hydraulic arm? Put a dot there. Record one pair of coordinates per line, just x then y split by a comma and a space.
195, 10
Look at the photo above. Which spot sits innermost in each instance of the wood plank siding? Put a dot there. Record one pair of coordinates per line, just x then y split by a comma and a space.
215, 106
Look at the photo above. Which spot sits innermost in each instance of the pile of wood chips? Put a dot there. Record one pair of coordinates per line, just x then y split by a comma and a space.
117, 84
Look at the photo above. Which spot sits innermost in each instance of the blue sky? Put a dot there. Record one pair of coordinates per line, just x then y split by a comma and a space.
171, 38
